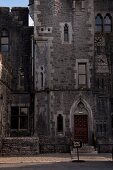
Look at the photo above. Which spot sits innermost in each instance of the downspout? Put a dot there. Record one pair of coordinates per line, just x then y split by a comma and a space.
73, 25
32, 74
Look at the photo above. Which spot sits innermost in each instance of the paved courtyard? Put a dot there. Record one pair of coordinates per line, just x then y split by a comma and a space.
57, 162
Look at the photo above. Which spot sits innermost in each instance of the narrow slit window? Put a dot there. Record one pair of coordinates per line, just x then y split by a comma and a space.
42, 79
60, 123
66, 33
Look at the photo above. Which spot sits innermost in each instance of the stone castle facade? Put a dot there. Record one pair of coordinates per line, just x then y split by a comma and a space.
56, 79
73, 69
16, 87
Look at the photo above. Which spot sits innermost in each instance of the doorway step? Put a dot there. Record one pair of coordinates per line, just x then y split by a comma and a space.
84, 150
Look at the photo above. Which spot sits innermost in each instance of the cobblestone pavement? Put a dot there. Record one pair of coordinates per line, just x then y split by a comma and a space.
57, 162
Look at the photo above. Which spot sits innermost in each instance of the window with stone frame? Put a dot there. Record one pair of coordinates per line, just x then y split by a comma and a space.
41, 77
4, 41
107, 23
99, 23
82, 75
100, 83
59, 123
19, 118
101, 128
66, 33
21, 78
102, 106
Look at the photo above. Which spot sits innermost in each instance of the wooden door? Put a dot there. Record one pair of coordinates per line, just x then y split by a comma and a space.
81, 128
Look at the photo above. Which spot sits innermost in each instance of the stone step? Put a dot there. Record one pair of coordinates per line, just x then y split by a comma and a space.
85, 149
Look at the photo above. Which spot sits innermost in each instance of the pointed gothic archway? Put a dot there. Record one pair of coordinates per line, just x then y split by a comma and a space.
81, 121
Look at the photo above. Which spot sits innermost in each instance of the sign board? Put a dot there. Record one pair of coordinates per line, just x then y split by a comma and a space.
77, 144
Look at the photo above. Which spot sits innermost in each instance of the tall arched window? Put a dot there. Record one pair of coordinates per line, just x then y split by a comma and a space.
98, 23
66, 33
4, 41
107, 23
59, 123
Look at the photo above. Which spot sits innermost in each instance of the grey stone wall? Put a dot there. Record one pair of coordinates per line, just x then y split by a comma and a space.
61, 64
18, 59
20, 146
61, 60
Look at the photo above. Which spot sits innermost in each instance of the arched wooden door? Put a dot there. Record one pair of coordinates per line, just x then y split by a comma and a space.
81, 128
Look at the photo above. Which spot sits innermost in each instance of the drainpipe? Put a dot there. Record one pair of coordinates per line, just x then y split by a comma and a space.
32, 74
74, 49
73, 25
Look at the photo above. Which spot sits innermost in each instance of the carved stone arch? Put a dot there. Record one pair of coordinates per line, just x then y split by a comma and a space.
86, 110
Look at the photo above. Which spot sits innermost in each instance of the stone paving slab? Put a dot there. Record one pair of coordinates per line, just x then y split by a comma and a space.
52, 158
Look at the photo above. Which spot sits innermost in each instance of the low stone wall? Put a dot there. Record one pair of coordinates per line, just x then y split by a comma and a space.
104, 148
104, 145
15, 146
54, 145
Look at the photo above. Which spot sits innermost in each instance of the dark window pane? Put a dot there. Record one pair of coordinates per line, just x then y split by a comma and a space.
4, 33
23, 122
98, 23
66, 33
42, 78
4, 48
60, 123
14, 122
14, 111
98, 20
22, 80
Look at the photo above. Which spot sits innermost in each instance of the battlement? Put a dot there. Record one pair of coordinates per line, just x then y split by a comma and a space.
21, 13
4, 10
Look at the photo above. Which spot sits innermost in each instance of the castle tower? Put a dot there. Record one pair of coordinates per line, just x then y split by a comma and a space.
65, 97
